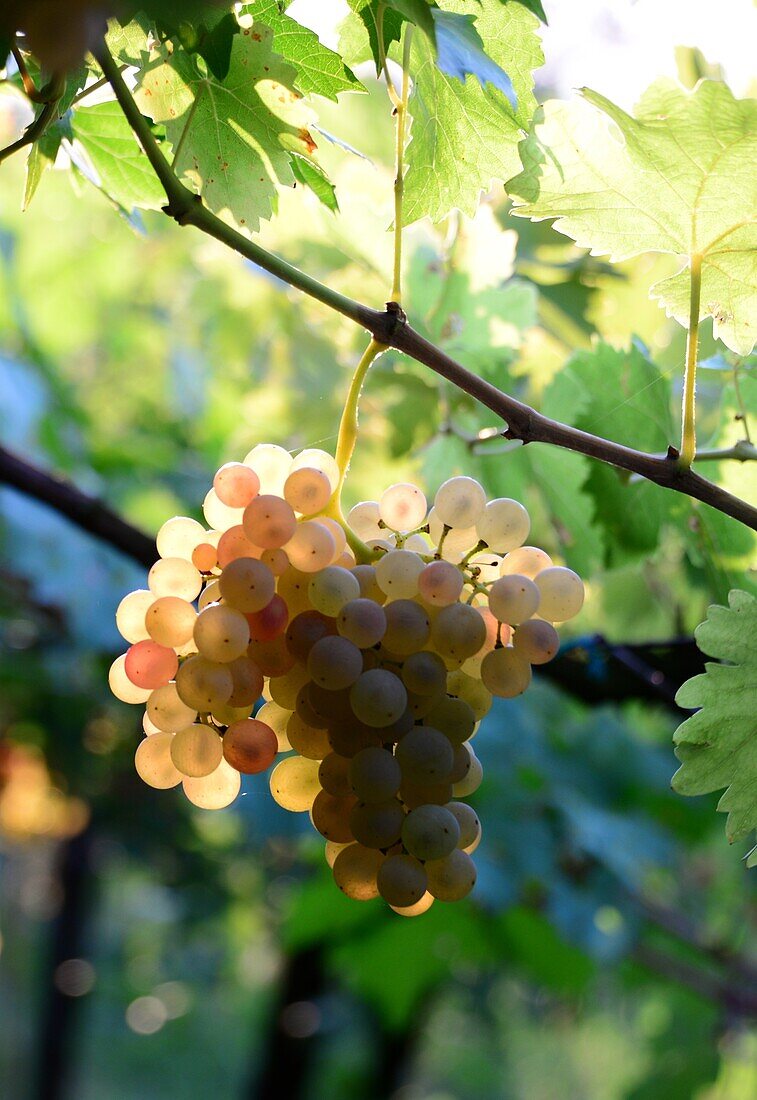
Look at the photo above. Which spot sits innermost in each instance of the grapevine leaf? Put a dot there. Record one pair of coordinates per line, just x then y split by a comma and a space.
420, 13
233, 138
319, 70
679, 178
464, 135
460, 51
351, 35
114, 160
533, 5
42, 156
127, 41
311, 175
717, 746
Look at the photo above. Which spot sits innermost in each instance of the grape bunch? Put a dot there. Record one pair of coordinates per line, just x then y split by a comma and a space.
376, 644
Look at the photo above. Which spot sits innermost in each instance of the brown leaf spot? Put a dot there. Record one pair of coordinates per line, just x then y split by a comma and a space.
307, 139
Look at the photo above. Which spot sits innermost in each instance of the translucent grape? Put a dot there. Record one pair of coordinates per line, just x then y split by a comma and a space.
425, 755
203, 684
397, 573
236, 484
272, 657
473, 779
219, 516
269, 522
221, 633
468, 823
178, 537
378, 697
166, 710
305, 630
225, 715
440, 583
335, 663
366, 578
276, 718
362, 621
401, 880
418, 543
425, 794
211, 593
149, 665
461, 764
334, 774
250, 746
175, 577
456, 542
374, 774
247, 680
331, 816
285, 689
403, 507
307, 740
234, 544
451, 878
526, 560
205, 556
407, 627
505, 673
270, 621
130, 616
247, 585
364, 520
424, 673
307, 490
504, 525
471, 691
214, 791
454, 718
487, 566
355, 871
170, 621
417, 909
460, 502
196, 750
293, 588
536, 641
513, 599
294, 783
272, 465
377, 824
315, 459
122, 687
148, 725
276, 560
430, 832
331, 589
153, 762
562, 594
343, 555
311, 547
331, 850
457, 632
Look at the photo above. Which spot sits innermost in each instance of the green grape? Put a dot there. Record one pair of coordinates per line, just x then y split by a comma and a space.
196, 750
154, 764
311, 547
334, 663
451, 878
401, 881
214, 791
203, 684
430, 832
425, 755
130, 616
562, 594
247, 585
397, 573
458, 632
472, 781
504, 525
331, 589
374, 774
513, 599
454, 718
505, 673
536, 641
377, 824
332, 816
528, 561
166, 710
468, 823
378, 697
362, 621
294, 783
403, 507
424, 673
221, 633
407, 627
356, 870
334, 774
460, 502
307, 490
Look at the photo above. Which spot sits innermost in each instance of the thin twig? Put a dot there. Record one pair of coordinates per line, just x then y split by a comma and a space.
36, 129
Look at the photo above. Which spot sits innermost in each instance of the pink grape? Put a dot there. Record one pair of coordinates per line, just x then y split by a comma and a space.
149, 665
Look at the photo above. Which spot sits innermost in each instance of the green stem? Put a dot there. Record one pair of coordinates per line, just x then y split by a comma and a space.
740, 402
48, 114
688, 432
348, 425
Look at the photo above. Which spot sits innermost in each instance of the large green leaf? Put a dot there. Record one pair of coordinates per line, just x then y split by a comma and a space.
233, 137
117, 163
319, 69
465, 135
717, 746
679, 178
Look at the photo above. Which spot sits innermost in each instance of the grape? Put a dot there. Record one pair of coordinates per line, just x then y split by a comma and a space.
468, 823
225, 715
276, 560
305, 710
364, 520
196, 750
504, 525
247, 681
130, 616
473, 779
335, 663
424, 673
526, 560
211, 593
221, 633
334, 774
122, 687
149, 665
456, 542
513, 599
331, 816
460, 502
416, 910
250, 746
397, 573
271, 464
179, 536
272, 657
369, 589
430, 832
308, 491
420, 705
454, 718
418, 543
355, 871
214, 791
403, 507
486, 566
293, 589
285, 689
315, 459
166, 710
276, 718
348, 737
307, 740
377, 824
536, 641
269, 522
505, 673
203, 684
457, 632
407, 627
470, 690
294, 783
219, 516
461, 765
374, 774
425, 755
234, 544
149, 726
562, 593
153, 762
236, 484
331, 589
205, 557
451, 878
440, 583
331, 850
175, 577
305, 630
362, 621
472, 665
401, 880
247, 585
425, 794
311, 547
378, 697
270, 621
